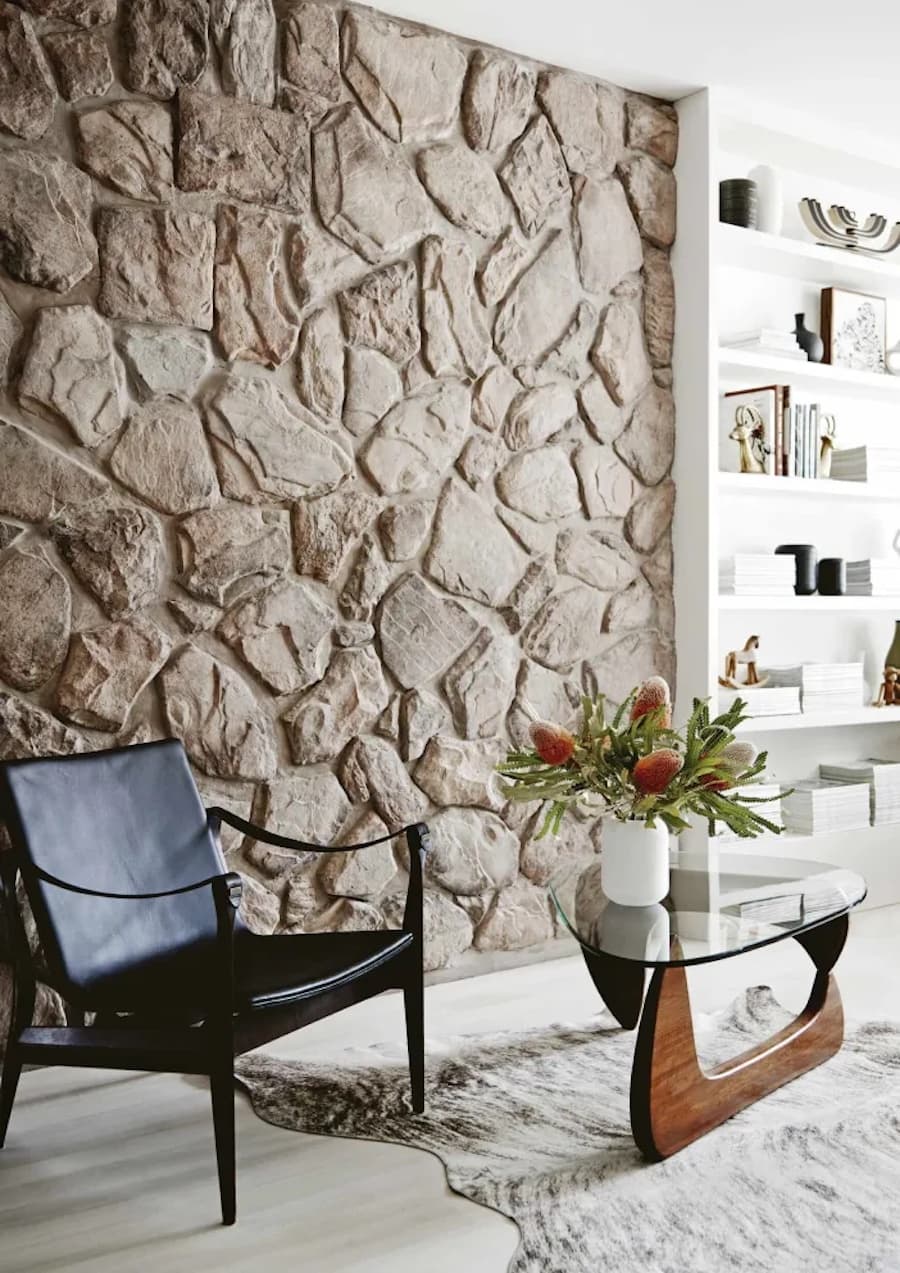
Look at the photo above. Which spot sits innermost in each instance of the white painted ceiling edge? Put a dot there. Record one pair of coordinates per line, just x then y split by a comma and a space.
835, 61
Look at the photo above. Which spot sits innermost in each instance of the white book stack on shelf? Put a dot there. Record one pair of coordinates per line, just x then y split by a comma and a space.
767, 340
757, 575
817, 808
866, 464
874, 577
883, 777
824, 687
764, 700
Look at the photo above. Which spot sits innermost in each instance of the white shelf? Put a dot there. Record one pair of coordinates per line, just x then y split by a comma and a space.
819, 720
755, 485
795, 258
814, 604
813, 377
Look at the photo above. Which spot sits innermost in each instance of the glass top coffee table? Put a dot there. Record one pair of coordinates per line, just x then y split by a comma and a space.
715, 909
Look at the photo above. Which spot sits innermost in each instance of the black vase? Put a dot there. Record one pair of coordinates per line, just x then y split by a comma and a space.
832, 577
804, 556
811, 344
738, 202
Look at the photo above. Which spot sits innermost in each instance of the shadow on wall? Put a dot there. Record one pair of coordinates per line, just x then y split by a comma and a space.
336, 428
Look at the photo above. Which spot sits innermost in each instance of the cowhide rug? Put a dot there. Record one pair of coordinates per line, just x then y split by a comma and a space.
535, 1125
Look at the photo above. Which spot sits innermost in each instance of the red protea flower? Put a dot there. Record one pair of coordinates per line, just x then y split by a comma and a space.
715, 782
651, 695
554, 745
652, 774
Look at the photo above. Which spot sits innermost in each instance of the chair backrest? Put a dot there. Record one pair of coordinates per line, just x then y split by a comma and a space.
127, 820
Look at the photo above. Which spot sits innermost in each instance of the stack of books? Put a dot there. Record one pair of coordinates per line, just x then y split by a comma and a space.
757, 575
874, 577
824, 687
883, 778
766, 340
815, 808
764, 700
866, 464
802, 439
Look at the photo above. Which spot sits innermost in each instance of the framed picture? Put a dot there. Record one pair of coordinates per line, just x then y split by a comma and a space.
854, 329
748, 429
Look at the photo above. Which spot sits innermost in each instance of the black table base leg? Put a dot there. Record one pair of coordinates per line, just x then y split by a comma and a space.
620, 984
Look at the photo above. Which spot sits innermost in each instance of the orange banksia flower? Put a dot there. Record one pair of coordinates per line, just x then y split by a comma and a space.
653, 773
554, 745
651, 695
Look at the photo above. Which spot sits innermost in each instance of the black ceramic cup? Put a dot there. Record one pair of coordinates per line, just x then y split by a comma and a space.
804, 556
739, 202
832, 577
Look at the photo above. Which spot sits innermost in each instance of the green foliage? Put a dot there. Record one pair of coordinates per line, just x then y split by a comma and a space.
709, 785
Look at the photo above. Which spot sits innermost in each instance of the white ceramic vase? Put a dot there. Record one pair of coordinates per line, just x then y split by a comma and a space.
634, 862
770, 199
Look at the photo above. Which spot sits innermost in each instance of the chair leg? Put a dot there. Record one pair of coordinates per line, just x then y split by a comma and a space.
414, 1004
20, 1018
12, 1068
221, 1083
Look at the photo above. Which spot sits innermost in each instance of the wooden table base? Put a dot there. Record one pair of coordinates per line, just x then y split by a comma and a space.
673, 1101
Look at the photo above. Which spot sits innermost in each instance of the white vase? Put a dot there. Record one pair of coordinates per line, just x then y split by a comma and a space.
770, 199
634, 862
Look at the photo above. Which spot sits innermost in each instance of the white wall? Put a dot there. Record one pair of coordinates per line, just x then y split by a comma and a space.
839, 64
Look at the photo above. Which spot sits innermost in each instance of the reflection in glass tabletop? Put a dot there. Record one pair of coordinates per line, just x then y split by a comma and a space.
715, 907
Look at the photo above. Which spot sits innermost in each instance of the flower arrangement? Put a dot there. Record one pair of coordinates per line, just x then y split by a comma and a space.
635, 767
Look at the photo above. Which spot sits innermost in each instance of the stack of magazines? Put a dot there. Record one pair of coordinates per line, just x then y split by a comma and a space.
866, 464
824, 687
815, 808
757, 575
764, 700
874, 577
767, 340
824, 894
883, 778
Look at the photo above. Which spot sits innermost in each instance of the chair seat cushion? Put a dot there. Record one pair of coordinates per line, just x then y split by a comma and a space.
267, 971
283, 969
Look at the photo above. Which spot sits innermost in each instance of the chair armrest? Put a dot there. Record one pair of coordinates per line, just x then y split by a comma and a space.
418, 839
215, 815
229, 889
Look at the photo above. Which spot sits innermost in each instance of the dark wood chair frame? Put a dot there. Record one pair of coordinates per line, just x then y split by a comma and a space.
209, 1046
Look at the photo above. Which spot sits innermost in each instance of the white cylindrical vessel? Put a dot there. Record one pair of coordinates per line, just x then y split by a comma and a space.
634, 862
770, 199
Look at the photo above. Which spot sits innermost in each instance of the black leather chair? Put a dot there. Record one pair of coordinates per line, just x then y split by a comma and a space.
137, 920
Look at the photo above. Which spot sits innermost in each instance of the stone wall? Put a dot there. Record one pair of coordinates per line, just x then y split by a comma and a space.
336, 427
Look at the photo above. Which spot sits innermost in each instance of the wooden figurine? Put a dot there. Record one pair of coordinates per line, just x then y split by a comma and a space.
750, 433
746, 658
889, 693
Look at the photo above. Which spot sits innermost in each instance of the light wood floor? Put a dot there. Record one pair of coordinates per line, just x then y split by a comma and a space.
111, 1173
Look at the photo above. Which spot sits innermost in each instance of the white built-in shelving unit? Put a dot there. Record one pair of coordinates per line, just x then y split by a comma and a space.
730, 280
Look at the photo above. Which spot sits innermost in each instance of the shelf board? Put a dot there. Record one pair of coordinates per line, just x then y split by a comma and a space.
754, 485
814, 604
797, 258
812, 377
819, 720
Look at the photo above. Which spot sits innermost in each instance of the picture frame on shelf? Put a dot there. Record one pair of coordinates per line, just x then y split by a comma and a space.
854, 329
748, 430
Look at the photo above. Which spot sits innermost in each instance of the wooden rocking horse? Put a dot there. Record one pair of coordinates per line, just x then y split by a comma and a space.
747, 658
